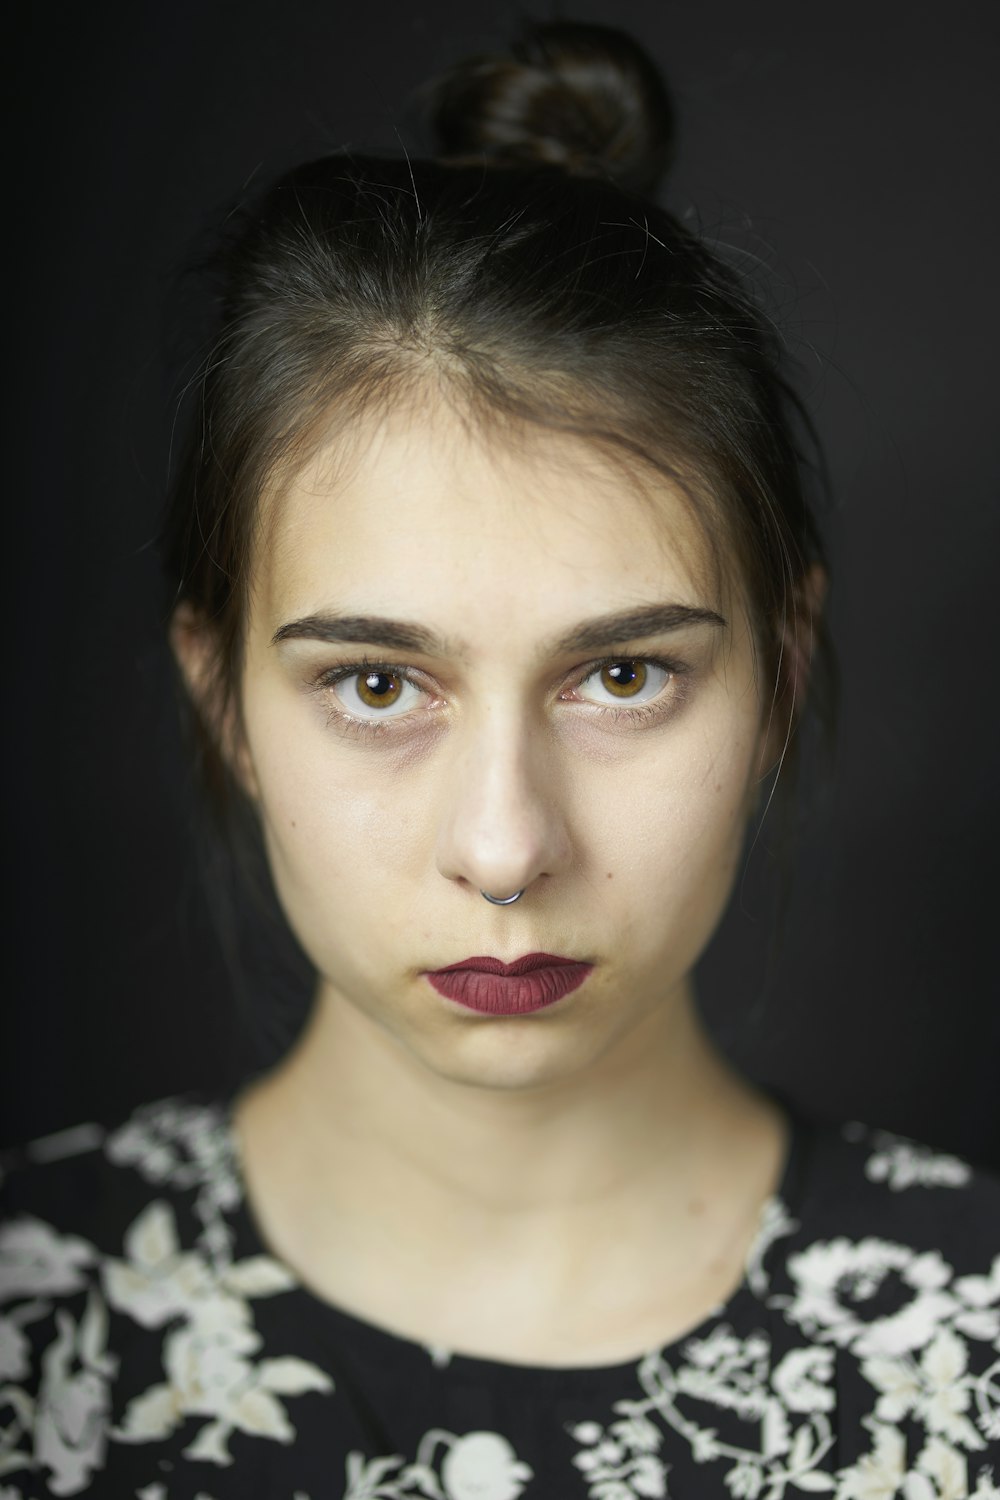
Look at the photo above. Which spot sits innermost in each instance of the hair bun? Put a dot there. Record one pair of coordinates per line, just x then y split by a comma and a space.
586, 98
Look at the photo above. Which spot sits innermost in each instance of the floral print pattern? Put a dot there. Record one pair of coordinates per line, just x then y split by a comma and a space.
151, 1347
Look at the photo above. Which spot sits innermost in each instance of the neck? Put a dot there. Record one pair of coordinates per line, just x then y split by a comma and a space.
602, 1214
653, 1125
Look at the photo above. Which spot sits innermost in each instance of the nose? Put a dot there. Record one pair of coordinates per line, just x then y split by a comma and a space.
502, 824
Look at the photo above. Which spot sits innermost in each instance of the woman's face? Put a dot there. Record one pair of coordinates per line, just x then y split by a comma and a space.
479, 664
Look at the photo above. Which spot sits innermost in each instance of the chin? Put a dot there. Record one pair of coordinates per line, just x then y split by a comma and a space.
510, 1057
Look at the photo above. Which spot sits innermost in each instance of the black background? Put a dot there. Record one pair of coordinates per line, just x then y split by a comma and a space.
846, 155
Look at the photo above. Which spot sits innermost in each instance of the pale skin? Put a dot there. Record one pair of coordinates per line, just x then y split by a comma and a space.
572, 1186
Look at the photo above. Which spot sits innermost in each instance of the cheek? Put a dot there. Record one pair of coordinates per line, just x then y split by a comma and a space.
340, 854
671, 840
338, 827
350, 831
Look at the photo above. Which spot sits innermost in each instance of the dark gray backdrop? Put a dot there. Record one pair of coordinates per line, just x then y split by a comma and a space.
847, 156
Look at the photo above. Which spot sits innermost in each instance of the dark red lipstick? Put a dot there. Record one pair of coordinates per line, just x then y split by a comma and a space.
499, 989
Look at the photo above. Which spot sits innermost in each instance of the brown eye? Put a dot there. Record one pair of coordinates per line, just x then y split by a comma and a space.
379, 689
377, 693
624, 679
630, 680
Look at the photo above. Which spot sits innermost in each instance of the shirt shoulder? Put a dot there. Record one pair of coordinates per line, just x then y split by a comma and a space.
86, 1184
858, 1182
887, 1251
118, 1250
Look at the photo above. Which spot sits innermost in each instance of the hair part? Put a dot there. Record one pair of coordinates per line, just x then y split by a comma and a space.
525, 293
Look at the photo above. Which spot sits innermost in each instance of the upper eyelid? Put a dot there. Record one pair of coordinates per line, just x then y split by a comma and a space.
330, 677
623, 709
585, 668
360, 668
668, 663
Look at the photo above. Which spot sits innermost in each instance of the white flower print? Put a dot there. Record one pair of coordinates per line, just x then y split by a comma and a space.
65, 1143
637, 1433
744, 1482
775, 1223
980, 1296
369, 1480
36, 1260
589, 1432
802, 1380
901, 1163
181, 1143
940, 1474
15, 1351
746, 1407
63, 1424
878, 1474
937, 1390
71, 1415
15, 1347
730, 1370
17, 1419
477, 1466
733, 1375
620, 1463
186, 1145
208, 1360
157, 1281
838, 1282
483, 1466
987, 1393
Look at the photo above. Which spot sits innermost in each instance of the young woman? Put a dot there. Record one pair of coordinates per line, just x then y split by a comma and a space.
497, 598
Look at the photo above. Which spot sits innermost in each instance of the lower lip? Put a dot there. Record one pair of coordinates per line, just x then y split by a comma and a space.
510, 994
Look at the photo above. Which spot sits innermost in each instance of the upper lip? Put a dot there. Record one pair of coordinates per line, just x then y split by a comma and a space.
519, 966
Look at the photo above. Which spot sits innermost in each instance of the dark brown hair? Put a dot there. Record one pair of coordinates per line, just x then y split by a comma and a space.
525, 269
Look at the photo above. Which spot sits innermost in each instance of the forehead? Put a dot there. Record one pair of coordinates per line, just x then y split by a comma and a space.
426, 514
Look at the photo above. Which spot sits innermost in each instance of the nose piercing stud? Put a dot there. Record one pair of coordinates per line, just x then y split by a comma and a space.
502, 900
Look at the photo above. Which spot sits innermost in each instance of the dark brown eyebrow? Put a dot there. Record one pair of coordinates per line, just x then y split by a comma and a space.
375, 630
599, 634
635, 624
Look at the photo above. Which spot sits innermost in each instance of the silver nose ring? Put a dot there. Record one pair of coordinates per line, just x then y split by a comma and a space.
503, 900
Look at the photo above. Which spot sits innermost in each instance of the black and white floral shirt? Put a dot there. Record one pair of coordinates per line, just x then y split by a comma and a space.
151, 1347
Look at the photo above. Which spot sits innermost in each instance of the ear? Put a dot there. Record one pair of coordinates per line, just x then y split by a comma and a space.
798, 636
195, 645
796, 644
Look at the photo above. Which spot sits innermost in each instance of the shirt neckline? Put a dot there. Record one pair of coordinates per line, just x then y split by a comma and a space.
381, 1348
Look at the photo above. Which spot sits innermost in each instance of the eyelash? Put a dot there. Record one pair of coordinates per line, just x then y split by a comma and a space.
641, 713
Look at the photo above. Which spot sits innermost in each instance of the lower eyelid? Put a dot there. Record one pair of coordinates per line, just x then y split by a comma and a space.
351, 725
325, 685
655, 709
670, 699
